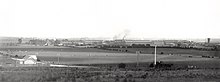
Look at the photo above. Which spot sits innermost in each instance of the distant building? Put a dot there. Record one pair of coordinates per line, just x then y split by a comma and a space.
119, 42
28, 59
171, 43
108, 42
203, 47
8, 41
158, 43
26, 40
66, 43
38, 42
78, 42
138, 42
92, 42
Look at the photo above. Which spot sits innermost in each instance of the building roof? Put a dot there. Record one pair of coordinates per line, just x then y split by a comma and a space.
30, 57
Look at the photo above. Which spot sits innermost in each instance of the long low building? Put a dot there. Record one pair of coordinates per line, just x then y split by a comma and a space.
159, 43
8, 41
131, 42
143, 42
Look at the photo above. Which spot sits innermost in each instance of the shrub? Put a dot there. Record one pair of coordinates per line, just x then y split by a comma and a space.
16, 56
121, 65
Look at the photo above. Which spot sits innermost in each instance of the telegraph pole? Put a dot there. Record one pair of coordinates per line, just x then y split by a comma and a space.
138, 54
155, 55
58, 58
89, 57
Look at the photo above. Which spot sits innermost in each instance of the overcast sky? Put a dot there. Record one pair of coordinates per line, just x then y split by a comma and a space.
106, 18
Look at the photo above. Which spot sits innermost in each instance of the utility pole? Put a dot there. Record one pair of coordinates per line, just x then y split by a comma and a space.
58, 58
155, 55
89, 57
15, 63
138, 54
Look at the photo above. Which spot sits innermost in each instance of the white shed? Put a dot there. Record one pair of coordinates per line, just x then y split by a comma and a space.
29, 59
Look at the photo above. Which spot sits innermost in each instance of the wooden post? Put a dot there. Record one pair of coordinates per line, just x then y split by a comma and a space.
155, 55
58, 58
138, 54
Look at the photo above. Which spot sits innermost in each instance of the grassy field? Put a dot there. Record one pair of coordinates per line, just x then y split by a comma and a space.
50, 48
89, 56
106, 61
98, 56
51, 74
102, 57
169, 51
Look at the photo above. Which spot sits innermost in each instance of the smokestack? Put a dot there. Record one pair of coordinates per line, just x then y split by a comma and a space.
126, 33
208, 40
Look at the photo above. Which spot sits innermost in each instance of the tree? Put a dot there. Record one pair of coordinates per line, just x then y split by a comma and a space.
121, 65
16, 56
38, 59
19, 41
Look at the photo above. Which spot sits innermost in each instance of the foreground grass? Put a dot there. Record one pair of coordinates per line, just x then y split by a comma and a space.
103, 74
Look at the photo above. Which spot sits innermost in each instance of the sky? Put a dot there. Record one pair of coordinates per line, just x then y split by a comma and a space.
168, 19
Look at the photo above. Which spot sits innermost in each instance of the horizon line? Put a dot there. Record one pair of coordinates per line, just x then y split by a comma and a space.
105, 38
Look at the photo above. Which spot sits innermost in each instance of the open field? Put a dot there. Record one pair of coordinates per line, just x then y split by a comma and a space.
101, 57
98, 56
203, 70
115, 58
50, 48
169, 51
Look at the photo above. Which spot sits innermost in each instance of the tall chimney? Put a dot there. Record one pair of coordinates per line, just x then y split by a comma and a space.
208, 40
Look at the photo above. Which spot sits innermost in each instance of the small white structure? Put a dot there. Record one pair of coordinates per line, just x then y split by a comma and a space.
28, 59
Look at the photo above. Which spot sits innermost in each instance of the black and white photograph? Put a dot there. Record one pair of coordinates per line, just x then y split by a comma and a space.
109, 40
